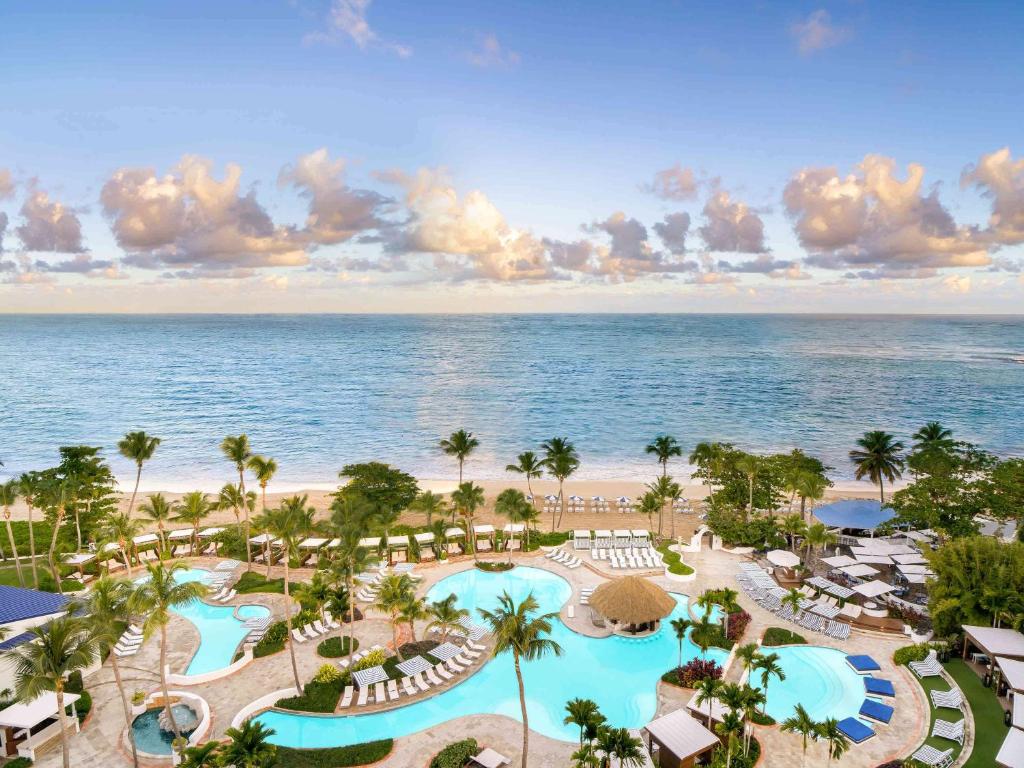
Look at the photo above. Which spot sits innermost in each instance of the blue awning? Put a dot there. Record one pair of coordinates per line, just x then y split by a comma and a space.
862, 514
18, 604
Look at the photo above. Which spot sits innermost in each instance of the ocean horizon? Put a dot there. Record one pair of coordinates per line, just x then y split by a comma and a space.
317, 391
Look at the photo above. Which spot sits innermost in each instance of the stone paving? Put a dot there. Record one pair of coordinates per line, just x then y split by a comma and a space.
102, 740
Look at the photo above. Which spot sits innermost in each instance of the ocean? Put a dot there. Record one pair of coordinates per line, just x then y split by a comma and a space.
319, 391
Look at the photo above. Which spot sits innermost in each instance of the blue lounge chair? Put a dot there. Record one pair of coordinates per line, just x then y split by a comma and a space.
876, 686
862, 665
855, 730
876, 711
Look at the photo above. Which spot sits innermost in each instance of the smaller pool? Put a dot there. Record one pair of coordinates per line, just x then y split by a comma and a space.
151, 738
817, 677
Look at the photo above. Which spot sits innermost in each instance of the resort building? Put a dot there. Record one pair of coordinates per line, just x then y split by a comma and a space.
20, 611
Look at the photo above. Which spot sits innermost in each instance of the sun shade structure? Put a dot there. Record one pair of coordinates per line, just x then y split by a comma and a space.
855, 514
869, 558
876, 711
79, 558
445, 651
862, 664
680, 736
145, 538
17, 604
633, 601
838, 561
369, 676
1013, 674
27, 716
874, 588
996, 641
859, 570
186, 533
1018, 712
713, 706
424, 538
451, 533
1011, 754
414, 666
783, 558
312, 543
209, 533
910, 559
370, 542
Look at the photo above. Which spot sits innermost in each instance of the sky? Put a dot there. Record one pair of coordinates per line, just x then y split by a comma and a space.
380, 156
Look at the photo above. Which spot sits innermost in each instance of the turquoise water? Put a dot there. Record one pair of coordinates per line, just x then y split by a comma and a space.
150, 738
219, 631
392, 385
620, 674
817, 677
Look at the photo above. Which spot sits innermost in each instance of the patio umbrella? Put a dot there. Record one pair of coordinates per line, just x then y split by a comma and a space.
574, 498
623, 499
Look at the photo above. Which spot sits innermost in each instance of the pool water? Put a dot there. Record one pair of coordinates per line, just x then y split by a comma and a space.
220, 633
151, 738
817, 677
620, 674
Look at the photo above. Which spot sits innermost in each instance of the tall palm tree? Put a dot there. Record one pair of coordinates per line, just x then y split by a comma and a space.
8, 495
395, 590
664, 447
160, 511
769, 667
193, 508
730, 728
561, 461
60, 647
707, 691
818, 537
264, 468
231, 497
412, 610
467, 499
878, 458
529, 465
793, 526
581, 713
138, 447
350, 516
429, 504
30, 486
753, 699
513, 506
750, 465
810, 486
706, 454
236, 449
932, 435
290, 523
118, 528
517, 631
107, 611
666, 489
703, 632
60, 494
153, 599
680, 627
620, 744
748, 654
649, 505
459, 444
446, 616
830, 732
249, 746
802, 723
793, 598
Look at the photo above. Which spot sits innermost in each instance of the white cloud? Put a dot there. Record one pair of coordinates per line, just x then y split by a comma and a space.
675, 183
6, 184
817, 32
490, 53
672, 231
631, 254
731, 225
1001, 178
347, 19
49, 225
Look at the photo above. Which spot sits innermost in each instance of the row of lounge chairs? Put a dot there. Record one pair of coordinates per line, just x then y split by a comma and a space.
358, 655
634, 557
223, 596
585, 594
561, 556
315, 629
763, 589
130, 642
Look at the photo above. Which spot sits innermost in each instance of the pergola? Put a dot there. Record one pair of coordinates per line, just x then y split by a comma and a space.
22, 718
310, 547
398, 543
581, 539
510, 531
623, 538
641, 537
454, 533
678, 740
487, 531
994, 641
425, 541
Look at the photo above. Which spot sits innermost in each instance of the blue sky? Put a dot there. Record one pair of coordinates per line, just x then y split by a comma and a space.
549, 120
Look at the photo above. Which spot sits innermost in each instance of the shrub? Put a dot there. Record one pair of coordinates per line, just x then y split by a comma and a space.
692, 672
316, 696
251, 582
738, 623
84, 705
328, 673
18, 762
909, 653
780, 636
494, 567
335, 647
372, 659
272, 641
334, 757
74, 682
674, 561
455, 755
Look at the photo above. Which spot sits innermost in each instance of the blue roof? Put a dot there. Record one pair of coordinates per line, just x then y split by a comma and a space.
18, 604
876, 710
862, 663
855, 730
861, 514
14, 642
879, 687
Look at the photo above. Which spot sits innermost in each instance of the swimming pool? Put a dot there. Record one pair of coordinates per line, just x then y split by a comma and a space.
817, 677
151, 738
220, 632
620, 674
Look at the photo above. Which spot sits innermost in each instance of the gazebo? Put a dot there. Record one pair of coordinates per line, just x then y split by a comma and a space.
679, 740
425, 542
454, 533
633, 604
509, 533
486, 531
20, 723
581, 539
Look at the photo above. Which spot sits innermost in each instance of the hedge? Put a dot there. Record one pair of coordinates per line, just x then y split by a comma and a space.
272, 641
334, 757
252, 582
18, 762
455, 755
674, 561
780, 636
336, 647
316, 697
909, 653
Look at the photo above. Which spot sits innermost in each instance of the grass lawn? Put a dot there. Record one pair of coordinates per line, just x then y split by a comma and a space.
9, 577
251, 582
989, 730
674, 561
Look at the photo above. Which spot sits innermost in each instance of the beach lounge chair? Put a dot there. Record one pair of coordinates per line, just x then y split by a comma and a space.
346, 698
947, 730
364, 694
298, 636
476, 646
862, 664
490, 759
455, 665
309, 632
432, 677
933, 758
379, 696
329, 619
219, 595
229, 596
949, 699
855, 730
127, 639
408, 687
876, 711
570, 611
319, 627
471, 654
876, 686
122, 652
443, 671
392, 690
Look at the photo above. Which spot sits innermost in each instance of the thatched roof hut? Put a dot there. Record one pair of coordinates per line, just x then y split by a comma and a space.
632, 600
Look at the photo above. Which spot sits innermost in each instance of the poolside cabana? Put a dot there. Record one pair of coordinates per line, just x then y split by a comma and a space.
509, 533
633, 604
713, 707
79, 560
206, 535
487, 531
425, 542
641, 537
455, 533
266, 543
678, 740
603, 539
581, 540
178, 537
994, 641
1011, 753
623, 538
370, 542
396, 545
27, 727
309, 547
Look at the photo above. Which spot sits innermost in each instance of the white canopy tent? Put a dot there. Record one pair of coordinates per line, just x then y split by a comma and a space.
312, 543
398, 542
859, 570
425, 542
623, 538
873, 588
1013, 674
370, 542
783, 558
424, 538
146, 538
209, 533
603, 538
453, 533
186, 533
581, 539
916, 559
24, 716
641, 537
79, 558
924, 570
838, 561
874, 559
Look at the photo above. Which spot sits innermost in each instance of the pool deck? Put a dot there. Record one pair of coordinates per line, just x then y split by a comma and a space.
101, 741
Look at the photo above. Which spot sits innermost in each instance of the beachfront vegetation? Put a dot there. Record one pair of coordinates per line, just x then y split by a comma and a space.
456, 754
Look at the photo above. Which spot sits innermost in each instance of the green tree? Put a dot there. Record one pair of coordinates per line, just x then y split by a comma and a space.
973, 577
395, 591
264, 469
704, 632
649, 505
561, 461
58, 495
529, 465
93, 498
800, 722
620, 745
707, 691
193, 508
120, 529
513, 506
680, 626
249, 746
828, 731
793, 526
460, 445
350, 516
412, 610
61, 646
202, 756
750, 465
878, 458
664, 447
933, 435
768, 665
730, 728
666, 490
31, 486
160, 511
9, 492
818, 537
430, 505
518, 631
236, 450
232, 497
446, 616
387, 490
139, 448
583, 713
467, 499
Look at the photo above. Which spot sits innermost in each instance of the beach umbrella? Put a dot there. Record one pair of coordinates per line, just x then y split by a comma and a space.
597, 498
783, 558
575, 498
551, 497
623, 499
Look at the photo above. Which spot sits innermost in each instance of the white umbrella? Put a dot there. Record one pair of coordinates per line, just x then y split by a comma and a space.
574, 497
623, 499
597, 498
551, 497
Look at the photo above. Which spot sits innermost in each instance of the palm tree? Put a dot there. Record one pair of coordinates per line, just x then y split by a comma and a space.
202, 756
831, 734
680, 627
748, 654
412, 610
120, 529
138, 447
231, 497
429, 504
193, 508
60, 647
810, 485
730, 727
818, 537
30, 486
318, 592
59, 495
459, 444
753, 699
289, 524
264, 469
561, 461
236, 449
107, 610
620, 744
878, 458
706, 455
704, 632
793, 526
664, 447
395, 591
350, 515
467, 498
793, 598
529, 465
446, 616
769, 667
750, 465
518, 632
512, 505
802, 723
932, 435
582, 712
585, 757
666, 490
158, 509
153, 598
707, 691
9, 495
650, 504
249, 746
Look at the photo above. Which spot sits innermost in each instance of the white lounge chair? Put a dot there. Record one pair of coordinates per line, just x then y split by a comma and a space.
379, 696
230, 595
490, 759
346, 698
408, 687
297, 636
932, 757
309, 632
952, 699
329, 618
948, 730
392, 690
433, 678
421, 682
443, 671
318, 627
364, 694
122, 652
